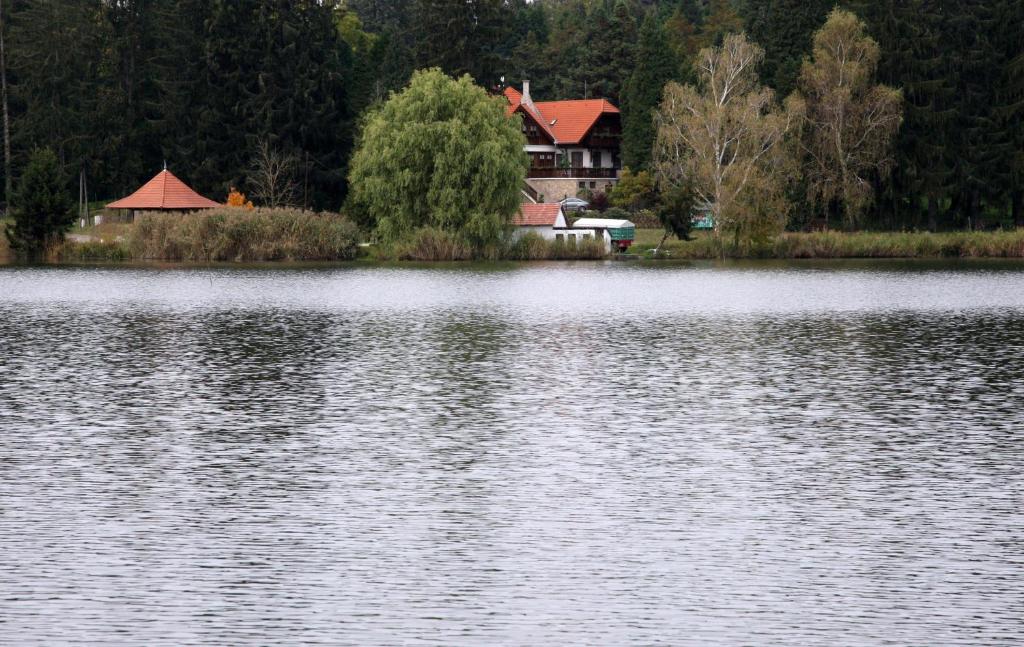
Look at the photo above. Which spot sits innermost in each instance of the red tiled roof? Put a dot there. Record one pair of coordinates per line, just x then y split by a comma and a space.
537, 215
572, 120
165, 191
568, 122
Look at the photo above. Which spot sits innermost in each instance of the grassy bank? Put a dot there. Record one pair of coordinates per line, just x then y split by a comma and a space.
968, 244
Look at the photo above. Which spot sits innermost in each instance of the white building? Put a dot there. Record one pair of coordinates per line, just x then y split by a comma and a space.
542, 219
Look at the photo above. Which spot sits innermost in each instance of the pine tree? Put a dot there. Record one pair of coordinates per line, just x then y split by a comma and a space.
655, 66
61, 83
612, 38
916, 60
784, 28
44, 211
460, 37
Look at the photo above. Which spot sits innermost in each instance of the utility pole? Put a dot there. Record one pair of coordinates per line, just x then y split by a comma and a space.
8, 180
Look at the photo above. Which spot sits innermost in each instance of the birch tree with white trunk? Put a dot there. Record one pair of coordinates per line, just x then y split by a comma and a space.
851, 121
727, 140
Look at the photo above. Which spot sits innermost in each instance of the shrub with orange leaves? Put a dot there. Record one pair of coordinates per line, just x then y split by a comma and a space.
237, 199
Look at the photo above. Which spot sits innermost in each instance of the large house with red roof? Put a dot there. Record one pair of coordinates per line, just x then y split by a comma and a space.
573, 145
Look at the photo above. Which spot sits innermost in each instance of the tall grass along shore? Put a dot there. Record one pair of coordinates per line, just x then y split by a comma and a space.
290, 235
832, 244
234, 235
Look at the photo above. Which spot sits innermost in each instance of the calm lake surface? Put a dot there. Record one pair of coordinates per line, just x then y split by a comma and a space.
591, 454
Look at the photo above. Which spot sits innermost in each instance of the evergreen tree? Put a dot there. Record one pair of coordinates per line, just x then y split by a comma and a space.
655, 66
44, 211
460, 37
784, 29
612, 40
916, 60
61, 88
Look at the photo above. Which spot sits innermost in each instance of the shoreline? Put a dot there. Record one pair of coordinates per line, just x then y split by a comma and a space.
829, 245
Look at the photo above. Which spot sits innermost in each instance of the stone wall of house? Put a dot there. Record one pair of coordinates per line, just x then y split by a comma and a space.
553, 190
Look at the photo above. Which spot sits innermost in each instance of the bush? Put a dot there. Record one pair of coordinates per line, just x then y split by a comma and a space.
599, 201
616, 213
634, 191
241, 235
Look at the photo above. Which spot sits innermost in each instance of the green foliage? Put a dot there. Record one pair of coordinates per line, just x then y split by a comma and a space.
675, 211
461, 37
43, 212
784, 29
634, 191
440, 154
616, 213
655, 66
238, 235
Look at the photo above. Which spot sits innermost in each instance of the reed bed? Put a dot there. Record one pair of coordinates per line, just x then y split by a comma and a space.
831, 244
532, 247
110, 251
429, 244
244, 236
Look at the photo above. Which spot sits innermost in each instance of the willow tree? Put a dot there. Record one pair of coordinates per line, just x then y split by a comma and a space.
727, 140
851, 121
442, 154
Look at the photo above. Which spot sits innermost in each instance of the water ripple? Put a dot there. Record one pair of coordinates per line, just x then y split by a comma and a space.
566, 454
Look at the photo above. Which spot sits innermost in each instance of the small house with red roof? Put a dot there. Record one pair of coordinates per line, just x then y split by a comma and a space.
573, 145
542, 219
165, 192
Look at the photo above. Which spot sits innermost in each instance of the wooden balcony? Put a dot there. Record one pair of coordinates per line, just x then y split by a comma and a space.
608, 142
573, 173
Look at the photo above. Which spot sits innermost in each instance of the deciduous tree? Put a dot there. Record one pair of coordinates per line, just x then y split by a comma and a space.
725, 138
851, 121
443, 154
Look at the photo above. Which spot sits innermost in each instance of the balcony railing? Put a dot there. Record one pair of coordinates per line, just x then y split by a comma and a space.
604, 141
574, 173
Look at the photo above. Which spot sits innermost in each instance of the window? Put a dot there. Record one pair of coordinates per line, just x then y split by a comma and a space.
559, 237
577, 159
583, 185
596, 159
572, 239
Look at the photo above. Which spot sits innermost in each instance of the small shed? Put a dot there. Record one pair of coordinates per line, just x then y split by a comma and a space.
165, 192
542, 219
617, 234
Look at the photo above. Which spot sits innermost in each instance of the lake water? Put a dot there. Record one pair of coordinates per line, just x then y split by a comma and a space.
565, 454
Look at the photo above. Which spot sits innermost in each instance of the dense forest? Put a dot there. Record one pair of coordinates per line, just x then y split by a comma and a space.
216, 87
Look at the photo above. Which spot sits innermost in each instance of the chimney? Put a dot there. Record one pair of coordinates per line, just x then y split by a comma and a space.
527, 99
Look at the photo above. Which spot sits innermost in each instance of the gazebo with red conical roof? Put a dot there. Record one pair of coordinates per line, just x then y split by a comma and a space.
165, 192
